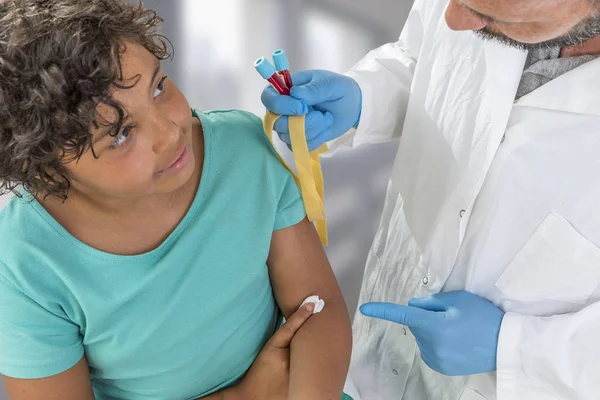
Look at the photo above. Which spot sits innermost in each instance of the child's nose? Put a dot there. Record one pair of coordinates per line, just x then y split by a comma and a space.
166, 134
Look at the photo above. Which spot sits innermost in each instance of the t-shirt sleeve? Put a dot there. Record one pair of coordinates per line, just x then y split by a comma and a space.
254, 153
290, 208
34, 342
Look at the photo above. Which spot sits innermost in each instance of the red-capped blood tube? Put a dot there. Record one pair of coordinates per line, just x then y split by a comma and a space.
268, 72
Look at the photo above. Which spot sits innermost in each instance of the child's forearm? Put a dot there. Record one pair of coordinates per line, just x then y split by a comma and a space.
320, 355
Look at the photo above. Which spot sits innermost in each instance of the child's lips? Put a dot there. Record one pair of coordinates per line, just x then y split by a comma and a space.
179, 160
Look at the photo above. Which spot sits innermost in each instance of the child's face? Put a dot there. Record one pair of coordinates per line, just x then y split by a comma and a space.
153, 153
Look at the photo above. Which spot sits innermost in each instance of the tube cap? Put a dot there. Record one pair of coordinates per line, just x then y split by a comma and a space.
264, 68
281, 60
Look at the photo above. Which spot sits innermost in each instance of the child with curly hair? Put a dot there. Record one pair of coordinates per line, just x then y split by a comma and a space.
152, 250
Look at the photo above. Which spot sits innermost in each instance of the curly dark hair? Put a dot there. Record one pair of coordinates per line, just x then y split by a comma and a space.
58, 62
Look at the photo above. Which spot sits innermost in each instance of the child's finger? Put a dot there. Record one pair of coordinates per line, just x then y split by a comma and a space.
284, 335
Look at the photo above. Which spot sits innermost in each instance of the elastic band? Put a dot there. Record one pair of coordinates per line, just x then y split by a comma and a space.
310, 175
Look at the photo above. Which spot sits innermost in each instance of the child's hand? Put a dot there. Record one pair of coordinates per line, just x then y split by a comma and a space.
269, 376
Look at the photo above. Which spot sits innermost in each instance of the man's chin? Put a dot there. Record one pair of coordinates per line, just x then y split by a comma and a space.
486, 34
584, 31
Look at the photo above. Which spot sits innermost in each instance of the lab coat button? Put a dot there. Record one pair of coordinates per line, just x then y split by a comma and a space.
425, 280
395, 372
404, 331
503, 138
462, 213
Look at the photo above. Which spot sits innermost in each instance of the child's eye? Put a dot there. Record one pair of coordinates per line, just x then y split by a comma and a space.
160, 87
121, 137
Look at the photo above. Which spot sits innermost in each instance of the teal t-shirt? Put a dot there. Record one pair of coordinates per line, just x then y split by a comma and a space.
179, 322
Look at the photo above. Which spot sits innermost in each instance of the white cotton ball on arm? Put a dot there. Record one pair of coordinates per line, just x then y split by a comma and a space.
319, 304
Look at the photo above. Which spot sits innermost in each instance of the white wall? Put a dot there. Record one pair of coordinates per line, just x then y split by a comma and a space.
3, 200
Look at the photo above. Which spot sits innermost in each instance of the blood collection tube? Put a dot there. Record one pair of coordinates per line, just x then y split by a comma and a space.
268, 72
282, 65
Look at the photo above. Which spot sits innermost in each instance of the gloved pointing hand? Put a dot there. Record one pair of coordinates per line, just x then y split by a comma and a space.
331, 102
457, 332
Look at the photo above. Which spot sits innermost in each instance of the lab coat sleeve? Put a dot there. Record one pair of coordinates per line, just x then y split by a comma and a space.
385, 77
550, 358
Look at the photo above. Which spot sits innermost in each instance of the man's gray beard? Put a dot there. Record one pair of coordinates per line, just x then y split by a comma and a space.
585, 30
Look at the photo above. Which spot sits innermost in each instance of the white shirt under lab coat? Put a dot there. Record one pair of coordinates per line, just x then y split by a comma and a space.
497, 197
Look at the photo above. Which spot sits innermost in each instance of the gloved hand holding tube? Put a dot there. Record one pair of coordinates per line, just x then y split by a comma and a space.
331, 102
309, 176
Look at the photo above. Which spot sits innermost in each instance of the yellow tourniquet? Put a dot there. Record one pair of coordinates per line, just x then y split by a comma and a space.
310, 176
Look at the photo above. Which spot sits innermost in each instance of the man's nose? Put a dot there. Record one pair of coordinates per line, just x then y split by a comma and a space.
459, 18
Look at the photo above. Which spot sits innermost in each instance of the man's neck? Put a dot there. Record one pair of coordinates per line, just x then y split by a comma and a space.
589, 47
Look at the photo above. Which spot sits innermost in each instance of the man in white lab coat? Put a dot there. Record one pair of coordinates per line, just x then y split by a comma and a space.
487, 260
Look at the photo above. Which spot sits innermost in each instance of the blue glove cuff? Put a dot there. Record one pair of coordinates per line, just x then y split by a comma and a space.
359, 109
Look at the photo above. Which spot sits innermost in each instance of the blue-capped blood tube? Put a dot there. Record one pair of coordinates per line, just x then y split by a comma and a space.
282, 65
268, 72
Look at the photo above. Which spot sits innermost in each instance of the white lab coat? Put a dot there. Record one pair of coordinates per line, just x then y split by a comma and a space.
497, 197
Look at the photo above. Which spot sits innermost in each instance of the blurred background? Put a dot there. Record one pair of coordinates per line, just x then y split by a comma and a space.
216, 43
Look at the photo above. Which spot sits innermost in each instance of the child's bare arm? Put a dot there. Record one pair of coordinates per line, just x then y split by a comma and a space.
73, 384
320, 350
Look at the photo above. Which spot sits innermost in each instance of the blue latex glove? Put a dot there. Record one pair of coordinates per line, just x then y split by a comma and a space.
457, 332
332, 104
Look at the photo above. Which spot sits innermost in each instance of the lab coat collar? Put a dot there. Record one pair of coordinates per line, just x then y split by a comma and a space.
504, 71
577, 91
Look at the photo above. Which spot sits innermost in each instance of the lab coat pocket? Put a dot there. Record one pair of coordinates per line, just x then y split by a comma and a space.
556, 264
469, 394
